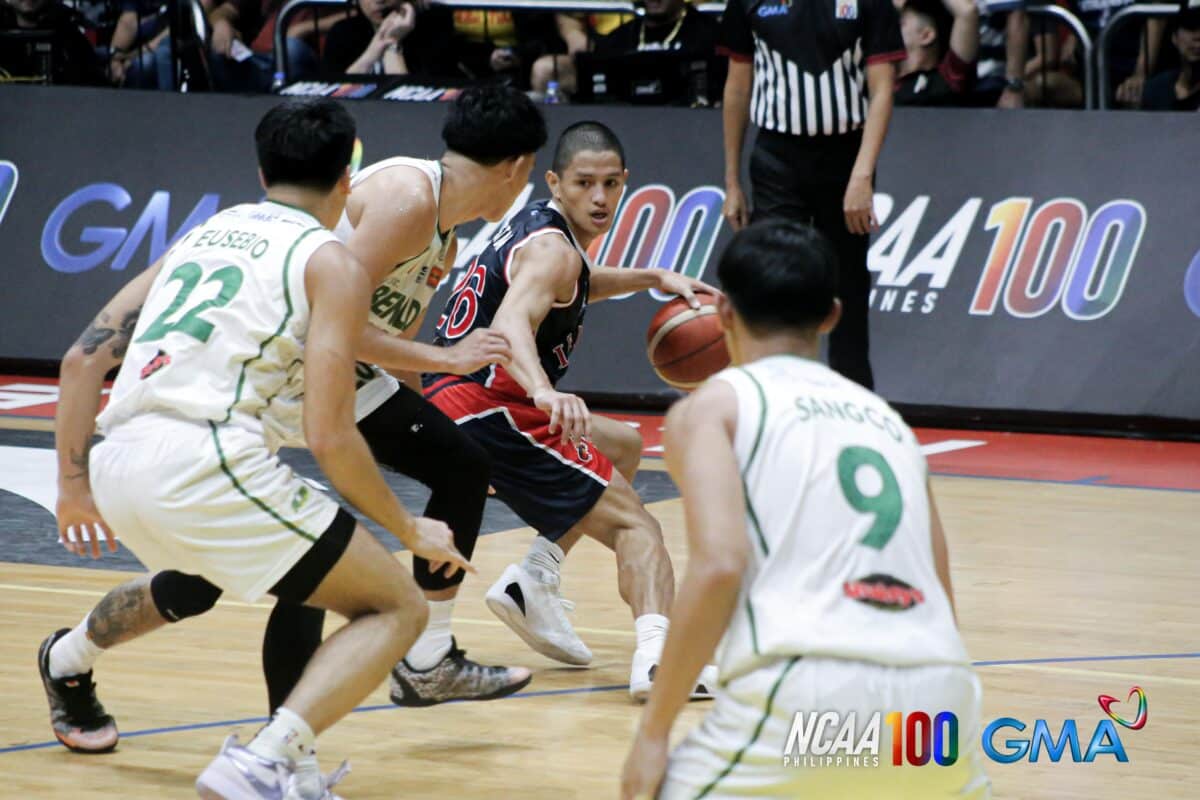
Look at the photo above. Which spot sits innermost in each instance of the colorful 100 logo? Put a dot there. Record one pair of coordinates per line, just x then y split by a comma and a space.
1063, 257
653, 230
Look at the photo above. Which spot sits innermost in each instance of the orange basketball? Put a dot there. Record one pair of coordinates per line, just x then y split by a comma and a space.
685, 345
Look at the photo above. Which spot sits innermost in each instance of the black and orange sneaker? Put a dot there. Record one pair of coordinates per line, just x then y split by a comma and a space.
77, 718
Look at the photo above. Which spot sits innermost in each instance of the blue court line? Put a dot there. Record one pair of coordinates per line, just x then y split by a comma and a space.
587, 690
197, 726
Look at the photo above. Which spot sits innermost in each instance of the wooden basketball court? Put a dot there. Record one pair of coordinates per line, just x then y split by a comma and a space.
1068, 587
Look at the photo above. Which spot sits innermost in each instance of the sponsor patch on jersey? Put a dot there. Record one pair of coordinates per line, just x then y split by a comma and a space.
846, 9
160, 360
883, 592
435, 277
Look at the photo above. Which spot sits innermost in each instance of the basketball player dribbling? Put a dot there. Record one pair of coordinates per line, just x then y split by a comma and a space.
533, 284
807, 507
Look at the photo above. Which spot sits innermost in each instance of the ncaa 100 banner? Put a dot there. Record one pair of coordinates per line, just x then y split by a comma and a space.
1041, 261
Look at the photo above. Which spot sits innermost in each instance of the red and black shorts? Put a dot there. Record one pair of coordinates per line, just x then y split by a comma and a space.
548, 484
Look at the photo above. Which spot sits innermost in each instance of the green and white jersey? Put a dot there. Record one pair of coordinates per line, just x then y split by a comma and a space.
221, 335
840, 562
404, 296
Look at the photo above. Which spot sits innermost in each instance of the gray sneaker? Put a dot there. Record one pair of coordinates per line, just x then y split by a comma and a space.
455, 677
238, 774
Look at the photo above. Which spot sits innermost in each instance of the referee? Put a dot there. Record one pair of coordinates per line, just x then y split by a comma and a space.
816, 77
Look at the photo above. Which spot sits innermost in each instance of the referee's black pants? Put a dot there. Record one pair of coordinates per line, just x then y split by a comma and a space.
804, 178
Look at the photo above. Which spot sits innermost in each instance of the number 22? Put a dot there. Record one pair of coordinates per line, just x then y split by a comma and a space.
191, 323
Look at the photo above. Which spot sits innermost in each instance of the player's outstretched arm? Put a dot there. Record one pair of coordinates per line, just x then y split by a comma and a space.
338, 289
609, 282
542, 273
396, 224
700, 457
941, 554
98, 350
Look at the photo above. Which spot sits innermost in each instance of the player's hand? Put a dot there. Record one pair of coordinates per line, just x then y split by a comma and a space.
432, 540
223, 36
568, 414
859, 206
685, 287
644, 768
735, 210
80, 525
480, 348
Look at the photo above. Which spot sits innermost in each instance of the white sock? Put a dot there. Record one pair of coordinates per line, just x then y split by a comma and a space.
651, 633
74, 654
543, 560
433, 644
287, 737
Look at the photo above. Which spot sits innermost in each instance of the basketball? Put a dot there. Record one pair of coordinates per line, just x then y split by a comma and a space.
685, 345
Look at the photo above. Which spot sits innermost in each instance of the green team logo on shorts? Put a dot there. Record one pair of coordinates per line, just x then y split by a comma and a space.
300, 498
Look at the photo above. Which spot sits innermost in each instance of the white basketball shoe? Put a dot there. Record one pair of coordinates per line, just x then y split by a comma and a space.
238, 774
645, 667
534, 609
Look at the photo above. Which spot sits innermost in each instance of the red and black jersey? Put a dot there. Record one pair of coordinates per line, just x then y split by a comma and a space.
477, 296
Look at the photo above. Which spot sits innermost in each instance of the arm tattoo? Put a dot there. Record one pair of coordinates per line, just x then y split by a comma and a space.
101, 331
79, 460
128, 323
96, 334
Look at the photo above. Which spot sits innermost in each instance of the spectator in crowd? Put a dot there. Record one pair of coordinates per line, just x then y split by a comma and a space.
71, 60
1179, 89
577, 31
1003, 53
1054, 76
392, 37
941, 42
501, 44
671, 25
140, 50
242, 56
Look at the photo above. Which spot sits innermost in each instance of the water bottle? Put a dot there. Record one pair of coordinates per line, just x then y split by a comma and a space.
552, 95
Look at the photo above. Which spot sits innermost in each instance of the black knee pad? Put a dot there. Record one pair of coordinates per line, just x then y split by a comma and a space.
179, 596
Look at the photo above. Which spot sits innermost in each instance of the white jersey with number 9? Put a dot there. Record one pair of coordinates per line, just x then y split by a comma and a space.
841, 562
221, 335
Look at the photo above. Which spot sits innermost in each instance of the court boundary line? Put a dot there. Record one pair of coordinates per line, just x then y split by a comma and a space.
195, 726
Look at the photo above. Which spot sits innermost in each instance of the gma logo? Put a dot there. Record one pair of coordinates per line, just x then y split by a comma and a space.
1104, 741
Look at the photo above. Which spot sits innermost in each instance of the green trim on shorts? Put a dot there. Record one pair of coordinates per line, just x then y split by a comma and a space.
737, 757
229, 474
262, 348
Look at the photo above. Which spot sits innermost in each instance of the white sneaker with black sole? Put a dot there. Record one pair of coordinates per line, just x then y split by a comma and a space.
645, 666
534, 610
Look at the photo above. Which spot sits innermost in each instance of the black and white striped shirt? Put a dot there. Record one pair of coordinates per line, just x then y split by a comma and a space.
810, 59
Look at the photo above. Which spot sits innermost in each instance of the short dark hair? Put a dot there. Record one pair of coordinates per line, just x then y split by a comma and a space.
937, 16
586, 135
305, 142
490, 124
779, 274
